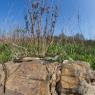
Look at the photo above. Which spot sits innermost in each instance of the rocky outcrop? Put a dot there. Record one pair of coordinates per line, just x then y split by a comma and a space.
39, 77
76, 79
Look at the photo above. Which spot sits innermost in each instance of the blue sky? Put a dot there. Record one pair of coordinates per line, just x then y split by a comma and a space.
12, 15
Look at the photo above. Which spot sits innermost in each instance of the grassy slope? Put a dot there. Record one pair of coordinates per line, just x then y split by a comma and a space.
68, 51
74, 52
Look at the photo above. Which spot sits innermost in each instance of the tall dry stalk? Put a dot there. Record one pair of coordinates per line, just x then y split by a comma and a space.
40, 22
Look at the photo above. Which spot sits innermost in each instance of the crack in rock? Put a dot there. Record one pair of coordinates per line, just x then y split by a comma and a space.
6, 76
54, 82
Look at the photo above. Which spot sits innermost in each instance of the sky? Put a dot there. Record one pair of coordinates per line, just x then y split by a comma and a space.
12, 15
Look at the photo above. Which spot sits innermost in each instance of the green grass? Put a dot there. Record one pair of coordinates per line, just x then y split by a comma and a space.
65, 52
5, 53
73, 52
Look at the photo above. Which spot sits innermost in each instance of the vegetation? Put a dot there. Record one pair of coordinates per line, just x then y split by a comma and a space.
66, 50
5, 53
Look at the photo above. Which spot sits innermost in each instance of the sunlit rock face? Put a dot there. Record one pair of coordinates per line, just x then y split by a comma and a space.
38, 77
76, 79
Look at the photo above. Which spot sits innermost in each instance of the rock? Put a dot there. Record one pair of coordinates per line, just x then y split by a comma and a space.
75, 78
29, 79
52, 58
27, 59
37, 77
2, 76
11, 67
90, 90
